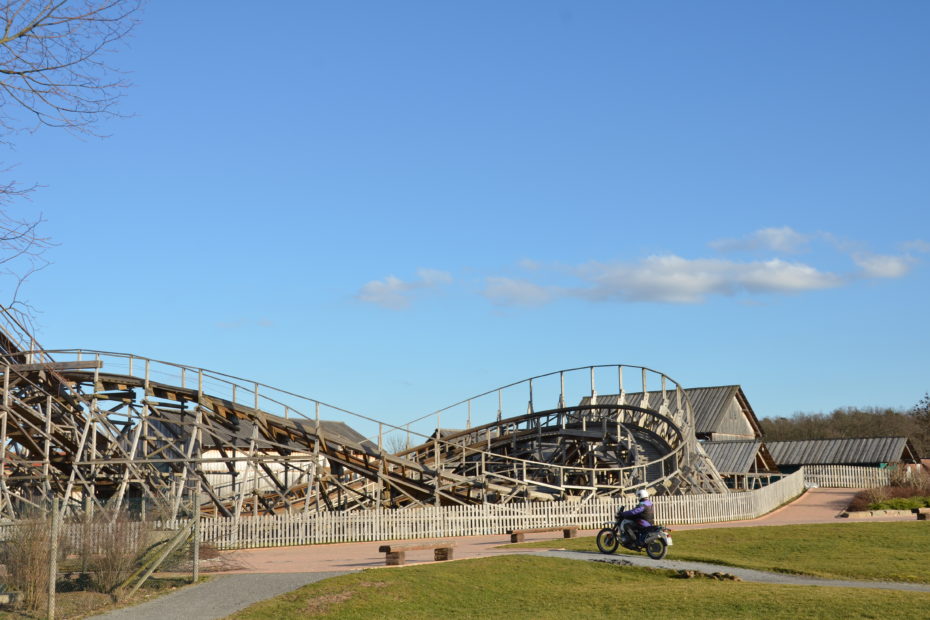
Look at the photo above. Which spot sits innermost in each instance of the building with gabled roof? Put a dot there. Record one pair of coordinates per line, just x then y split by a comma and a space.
721, 413
742, 463
862, 451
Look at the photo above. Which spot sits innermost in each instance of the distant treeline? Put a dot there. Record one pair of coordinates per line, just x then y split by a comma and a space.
853, 422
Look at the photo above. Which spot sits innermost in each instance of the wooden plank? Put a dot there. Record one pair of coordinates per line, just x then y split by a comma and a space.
417, 546
544, 529
56, 366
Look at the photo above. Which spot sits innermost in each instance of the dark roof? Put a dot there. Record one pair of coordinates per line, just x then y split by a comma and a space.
862, 450
710, 407
329, 428
442, 433
239, 435
732, 457
709, 404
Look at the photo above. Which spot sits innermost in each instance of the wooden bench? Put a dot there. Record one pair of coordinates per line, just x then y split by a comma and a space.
394, 555
568, 531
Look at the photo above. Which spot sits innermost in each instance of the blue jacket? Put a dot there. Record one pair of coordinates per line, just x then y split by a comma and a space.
644, 506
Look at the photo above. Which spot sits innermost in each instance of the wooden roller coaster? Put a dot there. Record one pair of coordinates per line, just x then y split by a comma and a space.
95, 428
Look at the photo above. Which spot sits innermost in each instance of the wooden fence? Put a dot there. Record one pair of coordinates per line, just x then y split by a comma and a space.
100, 535
847, 476
487, 519
491, 519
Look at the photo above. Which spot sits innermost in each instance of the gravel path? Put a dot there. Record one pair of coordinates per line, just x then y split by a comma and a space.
216, 598
745, 574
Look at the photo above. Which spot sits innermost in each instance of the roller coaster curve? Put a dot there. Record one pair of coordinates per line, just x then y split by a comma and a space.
93, 427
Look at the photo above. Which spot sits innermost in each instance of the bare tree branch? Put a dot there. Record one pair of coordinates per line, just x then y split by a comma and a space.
53, 61
53, 72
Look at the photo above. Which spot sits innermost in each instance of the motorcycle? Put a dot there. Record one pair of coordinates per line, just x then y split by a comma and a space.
655, 540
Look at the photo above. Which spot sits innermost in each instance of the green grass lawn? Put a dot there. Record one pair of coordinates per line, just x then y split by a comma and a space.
870, 551
516, 587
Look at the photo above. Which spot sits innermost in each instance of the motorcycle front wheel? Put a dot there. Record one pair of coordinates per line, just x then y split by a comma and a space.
607, 541
656, 548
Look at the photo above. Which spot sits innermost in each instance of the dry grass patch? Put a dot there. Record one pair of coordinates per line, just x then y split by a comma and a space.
321, 604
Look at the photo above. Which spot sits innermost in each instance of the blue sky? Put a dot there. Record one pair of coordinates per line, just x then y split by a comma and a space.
393, 206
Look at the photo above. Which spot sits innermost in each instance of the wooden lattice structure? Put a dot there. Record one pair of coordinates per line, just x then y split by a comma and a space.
94, 428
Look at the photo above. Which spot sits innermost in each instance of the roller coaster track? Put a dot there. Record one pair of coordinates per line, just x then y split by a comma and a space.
96, 428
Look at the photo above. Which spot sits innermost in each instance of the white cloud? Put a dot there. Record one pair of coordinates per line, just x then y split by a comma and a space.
880, 266
668, 279
432, 277
917, 245
510, 292
672, 279
394, 293
784, 239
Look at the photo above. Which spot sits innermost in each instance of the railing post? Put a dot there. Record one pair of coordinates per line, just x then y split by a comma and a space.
529, 407
53, 559
196, 541
593, 388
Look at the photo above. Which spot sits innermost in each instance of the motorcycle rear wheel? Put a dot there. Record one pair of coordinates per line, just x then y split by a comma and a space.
607, 540
656, 548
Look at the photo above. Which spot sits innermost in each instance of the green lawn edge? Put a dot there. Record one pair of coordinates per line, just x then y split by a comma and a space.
527, 586
830, 550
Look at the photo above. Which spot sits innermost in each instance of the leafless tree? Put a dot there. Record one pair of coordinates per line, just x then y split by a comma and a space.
53, 61
21, 248
53, 72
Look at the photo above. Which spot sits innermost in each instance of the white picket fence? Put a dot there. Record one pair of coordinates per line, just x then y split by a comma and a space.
487, 519
491, 519
98, 535
847, 476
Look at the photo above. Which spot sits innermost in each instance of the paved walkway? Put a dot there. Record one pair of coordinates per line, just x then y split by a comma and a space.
252, 575
219, 597
745, 574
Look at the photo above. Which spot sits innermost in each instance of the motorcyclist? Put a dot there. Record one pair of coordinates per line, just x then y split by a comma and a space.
642, 515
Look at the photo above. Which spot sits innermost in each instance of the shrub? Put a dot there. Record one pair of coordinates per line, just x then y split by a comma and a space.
859, 502
112, 543
901, 503
917, 480
903, 486
26, 556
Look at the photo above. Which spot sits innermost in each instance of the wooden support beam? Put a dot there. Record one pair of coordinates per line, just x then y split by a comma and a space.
54, 366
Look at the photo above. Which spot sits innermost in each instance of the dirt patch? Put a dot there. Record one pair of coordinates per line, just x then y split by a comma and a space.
212, 560
321, 604
67, 605
693, 574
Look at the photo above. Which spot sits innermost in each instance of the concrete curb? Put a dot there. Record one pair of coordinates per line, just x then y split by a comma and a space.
879, 514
